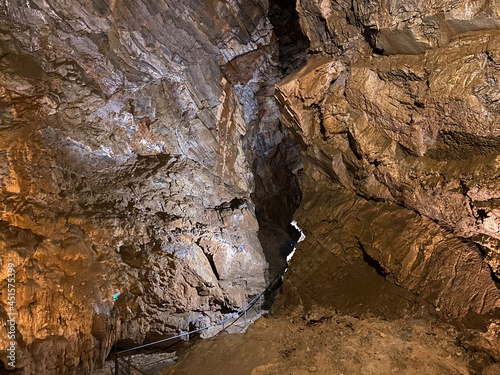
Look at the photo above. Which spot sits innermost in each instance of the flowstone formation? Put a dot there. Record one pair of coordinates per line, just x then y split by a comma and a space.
136, 139
397, 117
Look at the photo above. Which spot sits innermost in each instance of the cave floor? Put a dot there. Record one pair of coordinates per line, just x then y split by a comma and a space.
332, 344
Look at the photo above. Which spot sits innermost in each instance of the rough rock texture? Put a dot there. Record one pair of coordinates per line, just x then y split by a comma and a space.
133, 136
392, 26
140, 147
402, 158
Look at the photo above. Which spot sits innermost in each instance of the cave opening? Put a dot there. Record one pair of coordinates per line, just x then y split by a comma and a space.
370, 35
482, 214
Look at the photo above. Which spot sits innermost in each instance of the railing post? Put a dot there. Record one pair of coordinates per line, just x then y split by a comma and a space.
129, 361
245, 318
117, 371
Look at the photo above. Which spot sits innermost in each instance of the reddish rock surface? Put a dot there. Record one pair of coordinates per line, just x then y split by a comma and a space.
141, 148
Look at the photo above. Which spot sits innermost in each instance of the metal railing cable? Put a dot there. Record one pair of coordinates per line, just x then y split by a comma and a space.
242, 310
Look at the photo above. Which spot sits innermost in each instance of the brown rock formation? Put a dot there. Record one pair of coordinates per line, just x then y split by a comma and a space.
392, 27
401, 162
141, 145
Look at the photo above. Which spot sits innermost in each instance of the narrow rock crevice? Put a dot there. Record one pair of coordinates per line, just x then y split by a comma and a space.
293, 44
372, 262
277, 164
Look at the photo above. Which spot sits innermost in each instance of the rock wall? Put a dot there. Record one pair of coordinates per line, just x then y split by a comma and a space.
135, 136
141, 145
401, 157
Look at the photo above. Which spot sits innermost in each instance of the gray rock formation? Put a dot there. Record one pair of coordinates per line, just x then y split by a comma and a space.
136, 138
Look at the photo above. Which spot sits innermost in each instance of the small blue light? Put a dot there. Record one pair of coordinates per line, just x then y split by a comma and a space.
115, 297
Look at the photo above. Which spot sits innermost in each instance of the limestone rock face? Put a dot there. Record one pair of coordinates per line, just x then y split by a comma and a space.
129, 159
392, 27
402, 158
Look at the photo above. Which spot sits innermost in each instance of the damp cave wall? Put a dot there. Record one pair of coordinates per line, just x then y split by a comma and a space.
395, 115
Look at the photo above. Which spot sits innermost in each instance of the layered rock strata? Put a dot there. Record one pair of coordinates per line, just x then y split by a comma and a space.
401, 159
132, 136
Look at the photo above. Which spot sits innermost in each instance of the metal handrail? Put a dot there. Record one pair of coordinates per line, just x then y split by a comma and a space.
245, 308
237, 313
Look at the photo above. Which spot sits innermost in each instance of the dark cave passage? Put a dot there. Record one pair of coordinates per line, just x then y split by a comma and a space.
293, 44
277, 176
